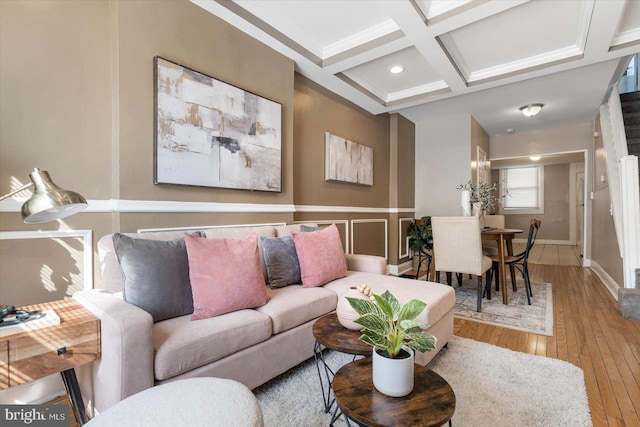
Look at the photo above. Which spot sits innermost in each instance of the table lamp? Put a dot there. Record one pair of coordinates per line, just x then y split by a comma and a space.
48, 202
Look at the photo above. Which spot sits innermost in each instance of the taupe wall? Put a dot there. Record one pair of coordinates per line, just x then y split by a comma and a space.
77, 100
556, 220
479, 138
605, 251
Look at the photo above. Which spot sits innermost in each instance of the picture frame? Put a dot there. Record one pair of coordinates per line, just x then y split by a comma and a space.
209, 133
481, 167
347, 161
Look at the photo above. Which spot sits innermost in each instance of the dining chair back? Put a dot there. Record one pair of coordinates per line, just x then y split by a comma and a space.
490, 247
521, 260
494, 221
457, 247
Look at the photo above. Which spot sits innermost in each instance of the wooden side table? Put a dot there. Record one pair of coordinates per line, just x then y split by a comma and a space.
31, 354
431, 403
331, 334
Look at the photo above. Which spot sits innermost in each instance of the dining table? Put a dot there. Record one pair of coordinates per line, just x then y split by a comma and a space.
504, 239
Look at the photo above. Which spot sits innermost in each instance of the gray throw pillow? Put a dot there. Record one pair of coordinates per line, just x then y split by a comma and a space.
281, 261
309, 229
155, 275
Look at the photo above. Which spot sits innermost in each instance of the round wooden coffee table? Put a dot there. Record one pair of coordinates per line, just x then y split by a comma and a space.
331, 334
431, 403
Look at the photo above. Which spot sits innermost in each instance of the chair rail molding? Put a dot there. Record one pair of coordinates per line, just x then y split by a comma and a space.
118, 205
87, 249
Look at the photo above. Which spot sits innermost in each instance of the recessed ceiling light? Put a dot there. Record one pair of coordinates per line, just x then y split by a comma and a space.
396, 69
531, 109
535, 158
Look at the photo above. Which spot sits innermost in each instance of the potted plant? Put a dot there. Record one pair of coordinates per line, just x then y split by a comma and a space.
483, 196
420, 238
393, 332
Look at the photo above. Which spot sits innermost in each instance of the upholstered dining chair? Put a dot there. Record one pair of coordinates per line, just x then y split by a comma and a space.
519, 261
457, 248
489, 247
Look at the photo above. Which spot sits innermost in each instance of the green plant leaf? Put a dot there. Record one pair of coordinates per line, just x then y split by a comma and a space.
411, 310
363, 306
384, 305
393, 302
422, 342
373, 322
373, 339
411, 325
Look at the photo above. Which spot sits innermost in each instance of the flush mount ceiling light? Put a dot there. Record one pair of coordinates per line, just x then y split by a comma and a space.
396, 69
531, 109
535, 158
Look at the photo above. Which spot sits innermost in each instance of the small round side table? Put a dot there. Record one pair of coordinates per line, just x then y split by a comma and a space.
431, 403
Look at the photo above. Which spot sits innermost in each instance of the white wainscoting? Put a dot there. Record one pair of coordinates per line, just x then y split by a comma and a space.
386, 232
87, 249
401, 229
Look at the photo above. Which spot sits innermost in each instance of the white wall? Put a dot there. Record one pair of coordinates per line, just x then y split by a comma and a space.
443, 161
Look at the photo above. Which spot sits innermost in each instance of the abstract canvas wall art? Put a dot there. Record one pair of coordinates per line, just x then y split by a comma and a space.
347, 161
212, 134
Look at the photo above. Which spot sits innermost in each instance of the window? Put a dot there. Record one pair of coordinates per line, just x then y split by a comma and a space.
524, 188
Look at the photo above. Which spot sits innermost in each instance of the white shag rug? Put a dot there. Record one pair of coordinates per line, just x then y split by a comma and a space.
493, 386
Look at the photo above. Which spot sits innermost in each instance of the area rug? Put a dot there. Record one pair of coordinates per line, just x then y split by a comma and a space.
494, 387
518, 314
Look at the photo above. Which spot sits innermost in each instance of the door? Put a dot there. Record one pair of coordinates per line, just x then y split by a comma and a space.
579, 210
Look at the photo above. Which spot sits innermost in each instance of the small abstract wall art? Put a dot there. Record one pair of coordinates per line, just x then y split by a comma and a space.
347, 161
209, 133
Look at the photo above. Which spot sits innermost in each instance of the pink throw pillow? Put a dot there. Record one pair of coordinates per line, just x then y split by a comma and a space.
225, 275
321, 256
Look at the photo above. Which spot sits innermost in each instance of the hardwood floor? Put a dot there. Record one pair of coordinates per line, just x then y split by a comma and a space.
588, 332
551, 254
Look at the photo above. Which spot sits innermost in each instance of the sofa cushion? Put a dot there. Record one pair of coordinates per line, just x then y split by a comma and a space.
241, 233
155, 275
439, 298
181, 345
321, 256
281, 261
225, 275
286, 230
294, 305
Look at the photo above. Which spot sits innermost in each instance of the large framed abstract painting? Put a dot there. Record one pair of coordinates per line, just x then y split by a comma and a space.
209, 133
347, 161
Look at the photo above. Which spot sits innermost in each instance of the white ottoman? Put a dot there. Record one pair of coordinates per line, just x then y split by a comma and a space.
194, 402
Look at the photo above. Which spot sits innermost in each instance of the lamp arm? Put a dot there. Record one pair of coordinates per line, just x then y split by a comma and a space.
24, 187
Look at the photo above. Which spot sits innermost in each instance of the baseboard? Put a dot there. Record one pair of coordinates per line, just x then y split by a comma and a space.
397, 270
607, 280
34, 392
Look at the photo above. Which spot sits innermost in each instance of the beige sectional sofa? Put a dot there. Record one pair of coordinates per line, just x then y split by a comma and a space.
251, 346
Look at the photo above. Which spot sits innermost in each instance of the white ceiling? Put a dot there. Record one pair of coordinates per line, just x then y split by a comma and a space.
485, 58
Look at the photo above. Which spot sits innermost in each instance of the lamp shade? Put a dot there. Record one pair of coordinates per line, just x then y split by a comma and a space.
50, 202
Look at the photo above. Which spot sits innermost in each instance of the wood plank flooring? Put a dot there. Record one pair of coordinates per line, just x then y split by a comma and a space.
588, 332
551, 254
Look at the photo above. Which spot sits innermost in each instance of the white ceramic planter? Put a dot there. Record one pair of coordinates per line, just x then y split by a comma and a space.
393, 377
346, 314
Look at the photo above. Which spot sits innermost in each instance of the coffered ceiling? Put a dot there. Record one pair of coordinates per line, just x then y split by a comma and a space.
480, 57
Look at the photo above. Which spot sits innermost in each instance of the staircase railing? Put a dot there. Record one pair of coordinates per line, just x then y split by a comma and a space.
622, 170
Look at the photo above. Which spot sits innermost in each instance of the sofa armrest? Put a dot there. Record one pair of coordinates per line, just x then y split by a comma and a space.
366, 263
126, 363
